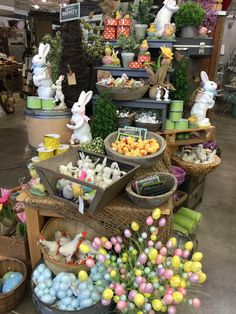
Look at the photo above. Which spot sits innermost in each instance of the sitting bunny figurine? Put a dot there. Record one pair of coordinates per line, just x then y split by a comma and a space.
205, 100
59, 94
41, 75
164, 16
79, 121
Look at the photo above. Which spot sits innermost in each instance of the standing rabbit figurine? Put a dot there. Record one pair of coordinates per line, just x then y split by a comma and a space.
59, 97
79, 121
204, 100
41, 75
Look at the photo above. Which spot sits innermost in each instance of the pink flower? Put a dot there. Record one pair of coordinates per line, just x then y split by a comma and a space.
22, 217
4, 196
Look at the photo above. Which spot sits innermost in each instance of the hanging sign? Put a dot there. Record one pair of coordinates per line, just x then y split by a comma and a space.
70, 12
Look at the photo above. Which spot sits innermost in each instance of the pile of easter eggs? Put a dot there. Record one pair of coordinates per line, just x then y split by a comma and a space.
68, 292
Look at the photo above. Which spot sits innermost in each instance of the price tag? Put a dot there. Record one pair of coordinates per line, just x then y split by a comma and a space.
71, 78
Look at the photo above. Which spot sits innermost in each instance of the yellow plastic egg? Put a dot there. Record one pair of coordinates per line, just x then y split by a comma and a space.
82, 275
135, 226
147, 295
164, 309
153, 237
113, 273
139, 312
202, 277
107, 294
116, 298
124, 259
174, 241
155, 280
188, 245
183, 283
196, 267
197, 257
176, 261
134, 252
138, 272
152, 254
156, 214
84, 248
139, 300
103, 239
102, 251
125, 254
177, 297
175, 281
188, 266
156, 305
107, 262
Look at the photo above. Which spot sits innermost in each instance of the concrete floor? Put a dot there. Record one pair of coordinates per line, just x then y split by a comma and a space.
216, 233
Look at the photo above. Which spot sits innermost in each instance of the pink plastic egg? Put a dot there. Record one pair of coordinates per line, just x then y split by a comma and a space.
163, 251
90, 263
112, 286
139, 280
182, 290
168, 299
169, 245
107, 245
178, 252
132, 294
101, 258
119, 239
142, 287
119, 290
185, 254
168, 274
197, 303
150, 243
158, 245
106, 302
149, 288
121, 305
127, 233
194, 278
142, 259
97, 241
159, 259
117, 247
171, 310
149, 220
162, 222
113, 240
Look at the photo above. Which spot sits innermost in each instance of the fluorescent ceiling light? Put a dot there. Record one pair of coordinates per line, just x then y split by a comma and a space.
36, 6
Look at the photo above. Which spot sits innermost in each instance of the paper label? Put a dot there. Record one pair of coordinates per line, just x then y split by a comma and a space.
71, 78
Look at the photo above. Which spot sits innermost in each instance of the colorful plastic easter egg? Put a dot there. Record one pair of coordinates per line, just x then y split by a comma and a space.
171, 310
196, 267
188, 266
152, 254
162, 222
149, 220
188, 245
135, 226
121, 305
196, 303
156, 214
177, 297
82, 275
139, 300
202, 277
48, 299
127, 233
197, 257
84, 248
12, 281
175, 281
168, 298
107, 294
176, 261
86, 303
156, 305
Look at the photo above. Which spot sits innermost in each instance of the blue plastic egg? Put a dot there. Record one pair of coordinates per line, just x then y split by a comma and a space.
52, 292
69, 293
72, 277
66, 301
75, 303
91, 287
39, 293
41, 268
36, 275
61, 306
61, 294
12, 281
41, 278
47, 273
86, 303
56, 285
48, 283
84, 294
96, 297
48, 299
66, 279
83, 286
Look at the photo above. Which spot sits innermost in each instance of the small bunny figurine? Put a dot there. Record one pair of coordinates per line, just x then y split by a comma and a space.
41, 75
164, 16
205, 100
59, 94
79, 121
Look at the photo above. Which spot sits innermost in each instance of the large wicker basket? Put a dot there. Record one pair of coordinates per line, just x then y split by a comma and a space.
197, 169
146, 161
123, 93
71, 227
8, 301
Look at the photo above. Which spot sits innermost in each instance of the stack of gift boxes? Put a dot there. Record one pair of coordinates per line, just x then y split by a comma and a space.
113, 28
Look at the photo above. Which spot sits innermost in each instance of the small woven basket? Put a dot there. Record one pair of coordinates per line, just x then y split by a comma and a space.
152, 127
197, 169
124, 93
71, 228
8, 301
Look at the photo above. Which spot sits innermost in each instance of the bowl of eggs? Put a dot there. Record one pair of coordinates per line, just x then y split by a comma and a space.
142, 152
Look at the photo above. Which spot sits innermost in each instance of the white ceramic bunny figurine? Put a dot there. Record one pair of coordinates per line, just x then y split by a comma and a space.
79, 121
41, 75
164, 16
59, 94
205, 101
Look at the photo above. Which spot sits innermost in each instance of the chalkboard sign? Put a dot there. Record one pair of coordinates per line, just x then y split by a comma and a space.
70, 12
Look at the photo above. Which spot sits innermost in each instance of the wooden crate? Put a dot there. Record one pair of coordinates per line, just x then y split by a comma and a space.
195, 198
198, 136
49, 174
14, 247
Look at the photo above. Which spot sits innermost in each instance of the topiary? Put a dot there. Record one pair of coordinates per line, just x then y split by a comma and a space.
104, 120
189, 14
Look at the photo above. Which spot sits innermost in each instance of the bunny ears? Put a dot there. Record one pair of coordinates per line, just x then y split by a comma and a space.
43, 50
84, 98
204, 77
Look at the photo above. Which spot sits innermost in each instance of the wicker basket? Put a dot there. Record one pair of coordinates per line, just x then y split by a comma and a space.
8, 301
197, 169
152, 127
153, 201
123, 93
146, 161
71, 227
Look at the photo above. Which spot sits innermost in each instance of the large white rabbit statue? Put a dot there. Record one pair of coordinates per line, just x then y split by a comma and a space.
164, 16
79, 121
204, 100
59, 97
41, 74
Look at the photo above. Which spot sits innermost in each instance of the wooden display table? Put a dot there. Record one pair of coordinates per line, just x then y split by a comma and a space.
110, 221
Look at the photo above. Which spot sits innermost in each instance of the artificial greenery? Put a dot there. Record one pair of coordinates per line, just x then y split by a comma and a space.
93, 42
180, 81
231, 98
141, 11
189, 14
104, 120
127, 43
54, 56
6, 216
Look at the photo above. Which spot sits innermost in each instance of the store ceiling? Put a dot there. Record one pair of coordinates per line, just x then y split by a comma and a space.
43, 4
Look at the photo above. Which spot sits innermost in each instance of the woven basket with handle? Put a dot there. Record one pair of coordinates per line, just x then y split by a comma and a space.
197, 169
8, 301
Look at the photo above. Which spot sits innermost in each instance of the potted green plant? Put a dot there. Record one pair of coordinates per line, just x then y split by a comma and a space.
189, 16
128, 46
141, 13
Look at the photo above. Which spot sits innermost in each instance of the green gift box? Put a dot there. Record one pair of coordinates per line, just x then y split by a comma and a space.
48, 104
175, 115
170, 125
182, 124
177, 105
34, 102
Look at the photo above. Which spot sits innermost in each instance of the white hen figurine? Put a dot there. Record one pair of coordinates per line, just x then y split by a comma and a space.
51, 247
69, 249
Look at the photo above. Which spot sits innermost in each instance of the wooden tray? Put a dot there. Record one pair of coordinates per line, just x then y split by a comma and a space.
49, 174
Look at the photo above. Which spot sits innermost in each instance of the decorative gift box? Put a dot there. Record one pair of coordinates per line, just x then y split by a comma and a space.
124, 22
144, 58
109, 32
135, 65
111, 22
125, 30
